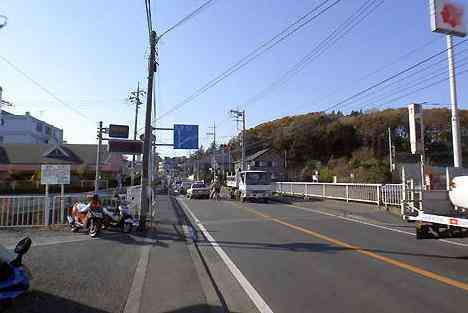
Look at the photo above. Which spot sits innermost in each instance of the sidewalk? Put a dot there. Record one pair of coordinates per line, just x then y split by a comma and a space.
175, 279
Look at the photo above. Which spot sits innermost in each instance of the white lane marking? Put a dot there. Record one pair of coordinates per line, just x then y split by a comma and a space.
134, 296
246, 285
374, 225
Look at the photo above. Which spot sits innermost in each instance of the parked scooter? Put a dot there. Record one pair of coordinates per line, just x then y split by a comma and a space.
86, 216
14, 276
120, 218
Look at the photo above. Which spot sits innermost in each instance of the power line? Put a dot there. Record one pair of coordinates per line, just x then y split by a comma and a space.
46, 90
390, 78
343, 29
264, 47
420, 82
412, 73
189, 16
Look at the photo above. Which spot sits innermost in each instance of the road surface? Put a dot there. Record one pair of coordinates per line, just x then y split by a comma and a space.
327, 256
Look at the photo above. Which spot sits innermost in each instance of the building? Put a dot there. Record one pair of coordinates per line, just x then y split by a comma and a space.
28, 158
26, 129
265, 160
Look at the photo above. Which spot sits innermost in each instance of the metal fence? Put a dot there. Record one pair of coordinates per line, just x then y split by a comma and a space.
22, 210
18, 211
369, 193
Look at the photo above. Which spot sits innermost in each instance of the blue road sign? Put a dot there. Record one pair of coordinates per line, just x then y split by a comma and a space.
185, 136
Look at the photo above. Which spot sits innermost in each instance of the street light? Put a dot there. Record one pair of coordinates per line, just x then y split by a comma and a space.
3, 21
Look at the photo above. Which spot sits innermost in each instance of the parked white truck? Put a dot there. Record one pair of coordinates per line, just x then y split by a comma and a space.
247, 185
443, 213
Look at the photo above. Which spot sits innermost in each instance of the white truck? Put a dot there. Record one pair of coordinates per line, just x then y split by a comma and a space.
247, 185
443, 213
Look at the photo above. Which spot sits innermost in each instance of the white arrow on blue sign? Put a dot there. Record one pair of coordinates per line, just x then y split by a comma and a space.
185, 136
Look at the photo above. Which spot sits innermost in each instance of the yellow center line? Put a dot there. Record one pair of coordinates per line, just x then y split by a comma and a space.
391, 261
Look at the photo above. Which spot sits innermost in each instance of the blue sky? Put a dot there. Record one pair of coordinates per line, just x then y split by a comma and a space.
91, 53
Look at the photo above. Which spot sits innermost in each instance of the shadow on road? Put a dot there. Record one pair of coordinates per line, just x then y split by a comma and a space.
42, 302
294, 246
317, 247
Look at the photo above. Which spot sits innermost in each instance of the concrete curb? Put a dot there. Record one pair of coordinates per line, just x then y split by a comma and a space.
212, 293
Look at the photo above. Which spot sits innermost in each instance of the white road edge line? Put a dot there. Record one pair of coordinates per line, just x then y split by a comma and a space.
374, 225
134, 296
261, 305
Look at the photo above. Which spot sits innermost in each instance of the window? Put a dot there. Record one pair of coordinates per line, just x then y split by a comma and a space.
1, 139
47, 130
2, 122
39, 127
269, 163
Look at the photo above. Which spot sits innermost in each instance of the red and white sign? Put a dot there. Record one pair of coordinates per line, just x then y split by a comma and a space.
448, 17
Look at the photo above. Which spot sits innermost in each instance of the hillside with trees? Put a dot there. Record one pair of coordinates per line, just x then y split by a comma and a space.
353, 147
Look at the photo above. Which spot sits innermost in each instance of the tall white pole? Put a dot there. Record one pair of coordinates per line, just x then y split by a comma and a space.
457, 151
243, 142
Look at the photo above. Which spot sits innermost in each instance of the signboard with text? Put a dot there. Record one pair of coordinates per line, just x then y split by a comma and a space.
53, 174
118, 131
185, 136
126, 146
448, 17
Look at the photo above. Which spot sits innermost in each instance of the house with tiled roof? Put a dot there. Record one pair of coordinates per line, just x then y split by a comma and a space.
20, 158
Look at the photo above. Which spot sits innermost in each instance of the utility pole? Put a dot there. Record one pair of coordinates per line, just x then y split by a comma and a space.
457, 151
390, 149
214, 149
237, 115
145, 186
134, 97
98, 158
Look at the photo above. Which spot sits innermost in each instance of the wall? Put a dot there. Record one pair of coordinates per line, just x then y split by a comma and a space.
22, 129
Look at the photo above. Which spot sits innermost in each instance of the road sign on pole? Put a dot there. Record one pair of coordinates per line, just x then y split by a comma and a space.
185, 136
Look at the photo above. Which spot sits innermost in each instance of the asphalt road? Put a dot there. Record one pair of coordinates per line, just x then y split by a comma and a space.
331, 257
114, 273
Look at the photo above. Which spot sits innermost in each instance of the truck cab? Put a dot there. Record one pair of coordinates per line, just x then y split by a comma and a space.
251, 185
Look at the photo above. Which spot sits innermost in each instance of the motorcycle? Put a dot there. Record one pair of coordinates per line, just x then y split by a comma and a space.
82, 217
14, 276
120, 218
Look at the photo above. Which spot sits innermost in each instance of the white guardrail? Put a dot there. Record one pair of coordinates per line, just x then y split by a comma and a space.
390, 194
19, 211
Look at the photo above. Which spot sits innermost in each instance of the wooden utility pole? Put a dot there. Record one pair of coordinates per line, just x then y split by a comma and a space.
145, 184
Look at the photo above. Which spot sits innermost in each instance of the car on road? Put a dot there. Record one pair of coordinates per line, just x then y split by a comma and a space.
198, 190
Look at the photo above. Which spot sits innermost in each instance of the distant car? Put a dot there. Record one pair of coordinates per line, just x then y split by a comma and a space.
198, 190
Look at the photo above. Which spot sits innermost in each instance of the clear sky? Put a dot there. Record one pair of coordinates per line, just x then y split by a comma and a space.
91, 53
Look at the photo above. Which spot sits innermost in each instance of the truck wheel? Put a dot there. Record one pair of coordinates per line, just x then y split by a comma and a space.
421, 231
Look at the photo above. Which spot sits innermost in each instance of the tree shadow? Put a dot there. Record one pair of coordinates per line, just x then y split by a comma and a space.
37, 301
292, 200
317, 248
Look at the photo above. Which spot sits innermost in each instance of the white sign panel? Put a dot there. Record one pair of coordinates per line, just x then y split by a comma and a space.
55, 174
448, 17
416, 125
